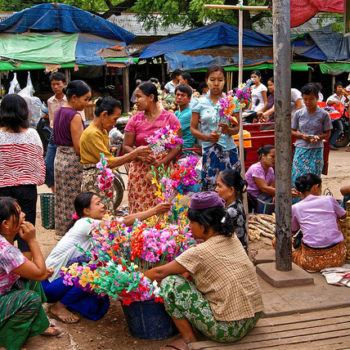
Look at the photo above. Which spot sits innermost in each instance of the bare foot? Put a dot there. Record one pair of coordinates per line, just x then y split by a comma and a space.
53, 329
60, 311
178, 344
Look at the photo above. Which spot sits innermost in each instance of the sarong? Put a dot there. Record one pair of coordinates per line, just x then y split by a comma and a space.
182, 300
21, 314
141, 194
306, 160
68, 177
215, 160
318, 259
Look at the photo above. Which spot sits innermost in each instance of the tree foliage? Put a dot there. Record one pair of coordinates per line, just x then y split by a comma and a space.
181, 12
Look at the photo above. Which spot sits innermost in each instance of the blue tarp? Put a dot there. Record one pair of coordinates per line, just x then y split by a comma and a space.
204, 37
63, 18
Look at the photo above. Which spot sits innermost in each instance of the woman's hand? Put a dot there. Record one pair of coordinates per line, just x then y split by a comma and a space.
27, 231
49, 272
295, 193
213, 137
162, 208
143, 151
148, 178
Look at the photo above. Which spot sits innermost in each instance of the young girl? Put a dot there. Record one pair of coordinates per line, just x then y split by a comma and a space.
259, 93
224, 302
89, 210
229, 187
21, 313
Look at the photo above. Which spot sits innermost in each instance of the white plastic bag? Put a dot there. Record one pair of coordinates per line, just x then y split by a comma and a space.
34, 103
14, 85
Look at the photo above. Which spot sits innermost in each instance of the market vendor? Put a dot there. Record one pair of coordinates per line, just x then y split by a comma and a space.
224, 301
89, 210
316, 216
94, 141
261, 177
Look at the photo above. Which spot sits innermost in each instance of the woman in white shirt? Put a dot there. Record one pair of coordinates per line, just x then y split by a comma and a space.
259, 93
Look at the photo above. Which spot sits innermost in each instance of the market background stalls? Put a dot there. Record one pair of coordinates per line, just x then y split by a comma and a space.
53, 36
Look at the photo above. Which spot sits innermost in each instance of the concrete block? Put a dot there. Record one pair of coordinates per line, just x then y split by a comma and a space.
265, 256
296, 277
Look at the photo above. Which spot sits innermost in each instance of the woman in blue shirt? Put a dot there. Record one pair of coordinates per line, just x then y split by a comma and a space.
219, 150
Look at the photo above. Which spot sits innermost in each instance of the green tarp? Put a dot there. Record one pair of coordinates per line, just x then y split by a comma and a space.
335, 68
39, 48
299, 66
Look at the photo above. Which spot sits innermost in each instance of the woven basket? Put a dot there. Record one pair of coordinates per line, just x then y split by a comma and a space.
47, 201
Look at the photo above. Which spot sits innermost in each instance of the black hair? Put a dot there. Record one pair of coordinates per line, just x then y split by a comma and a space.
319, 86
232, 178
175, 74
76, 87
58, 76
309, 88
256, 72
185, 89
8, 207
213, 69
81, 202
272, 79
305, 182
149, 89
202, 86
215, 217
108, 104
14, 112
187, 76
338, 83
264, 150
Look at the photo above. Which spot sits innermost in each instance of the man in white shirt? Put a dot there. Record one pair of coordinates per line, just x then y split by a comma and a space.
172, 84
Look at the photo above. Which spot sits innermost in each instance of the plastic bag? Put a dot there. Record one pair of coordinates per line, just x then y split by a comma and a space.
34, 103
14, 85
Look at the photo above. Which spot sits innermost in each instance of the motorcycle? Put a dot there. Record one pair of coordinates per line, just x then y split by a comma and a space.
344, 138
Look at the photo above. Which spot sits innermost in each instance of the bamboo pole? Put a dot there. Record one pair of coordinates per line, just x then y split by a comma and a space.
237, 7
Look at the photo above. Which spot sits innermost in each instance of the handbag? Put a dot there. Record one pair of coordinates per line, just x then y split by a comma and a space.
297, 239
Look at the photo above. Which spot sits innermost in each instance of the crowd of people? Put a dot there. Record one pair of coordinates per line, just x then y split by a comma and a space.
223, 300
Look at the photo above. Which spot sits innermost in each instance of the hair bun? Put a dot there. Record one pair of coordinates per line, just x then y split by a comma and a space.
98, 101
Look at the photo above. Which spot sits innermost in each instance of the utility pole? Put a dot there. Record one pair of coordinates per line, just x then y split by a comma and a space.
283, 138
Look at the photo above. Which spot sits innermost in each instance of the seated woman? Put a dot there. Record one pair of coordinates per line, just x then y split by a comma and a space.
230, 187
224, 302
89, 211
21, 313
316, 216
261, 177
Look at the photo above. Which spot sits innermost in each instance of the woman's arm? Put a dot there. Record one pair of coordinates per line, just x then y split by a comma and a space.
128, 147
213, 137
139, 152
160, 272
160, 208
264, 96
76, 129
264, 187
298, 104
299, 135
35, 270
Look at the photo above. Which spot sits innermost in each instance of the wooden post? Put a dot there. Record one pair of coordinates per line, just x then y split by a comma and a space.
309, 80
67, 74
163, 70
283, 139
126, 88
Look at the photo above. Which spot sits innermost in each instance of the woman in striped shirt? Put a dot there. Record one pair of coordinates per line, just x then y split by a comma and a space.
22, 165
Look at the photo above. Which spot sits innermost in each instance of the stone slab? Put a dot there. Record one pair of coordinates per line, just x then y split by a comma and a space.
296, 277
265, 256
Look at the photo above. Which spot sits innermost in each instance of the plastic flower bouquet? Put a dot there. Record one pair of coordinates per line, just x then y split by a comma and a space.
228, 108
164, 139
244, 93
120, 255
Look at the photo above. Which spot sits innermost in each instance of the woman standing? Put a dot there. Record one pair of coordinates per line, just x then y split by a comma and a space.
95, 141
267, 113
68, 127
218, 149
259, 93
22, 165
142, 125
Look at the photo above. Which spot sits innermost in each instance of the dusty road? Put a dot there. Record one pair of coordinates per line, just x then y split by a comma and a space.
112, 332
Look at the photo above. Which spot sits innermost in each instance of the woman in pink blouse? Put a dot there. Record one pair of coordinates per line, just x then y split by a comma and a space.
151, 118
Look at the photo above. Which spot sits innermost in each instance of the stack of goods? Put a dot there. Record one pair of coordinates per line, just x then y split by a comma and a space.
261, 225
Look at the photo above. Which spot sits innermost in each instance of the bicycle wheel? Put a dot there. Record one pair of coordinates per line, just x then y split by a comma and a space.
118, 190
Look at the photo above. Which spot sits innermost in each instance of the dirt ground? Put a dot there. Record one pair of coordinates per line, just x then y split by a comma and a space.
112, 331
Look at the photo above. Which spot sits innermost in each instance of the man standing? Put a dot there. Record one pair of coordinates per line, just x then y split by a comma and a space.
183, 95
54, 103
172, 84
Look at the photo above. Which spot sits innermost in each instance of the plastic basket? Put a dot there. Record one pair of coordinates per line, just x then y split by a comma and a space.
47, 202
149, 320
